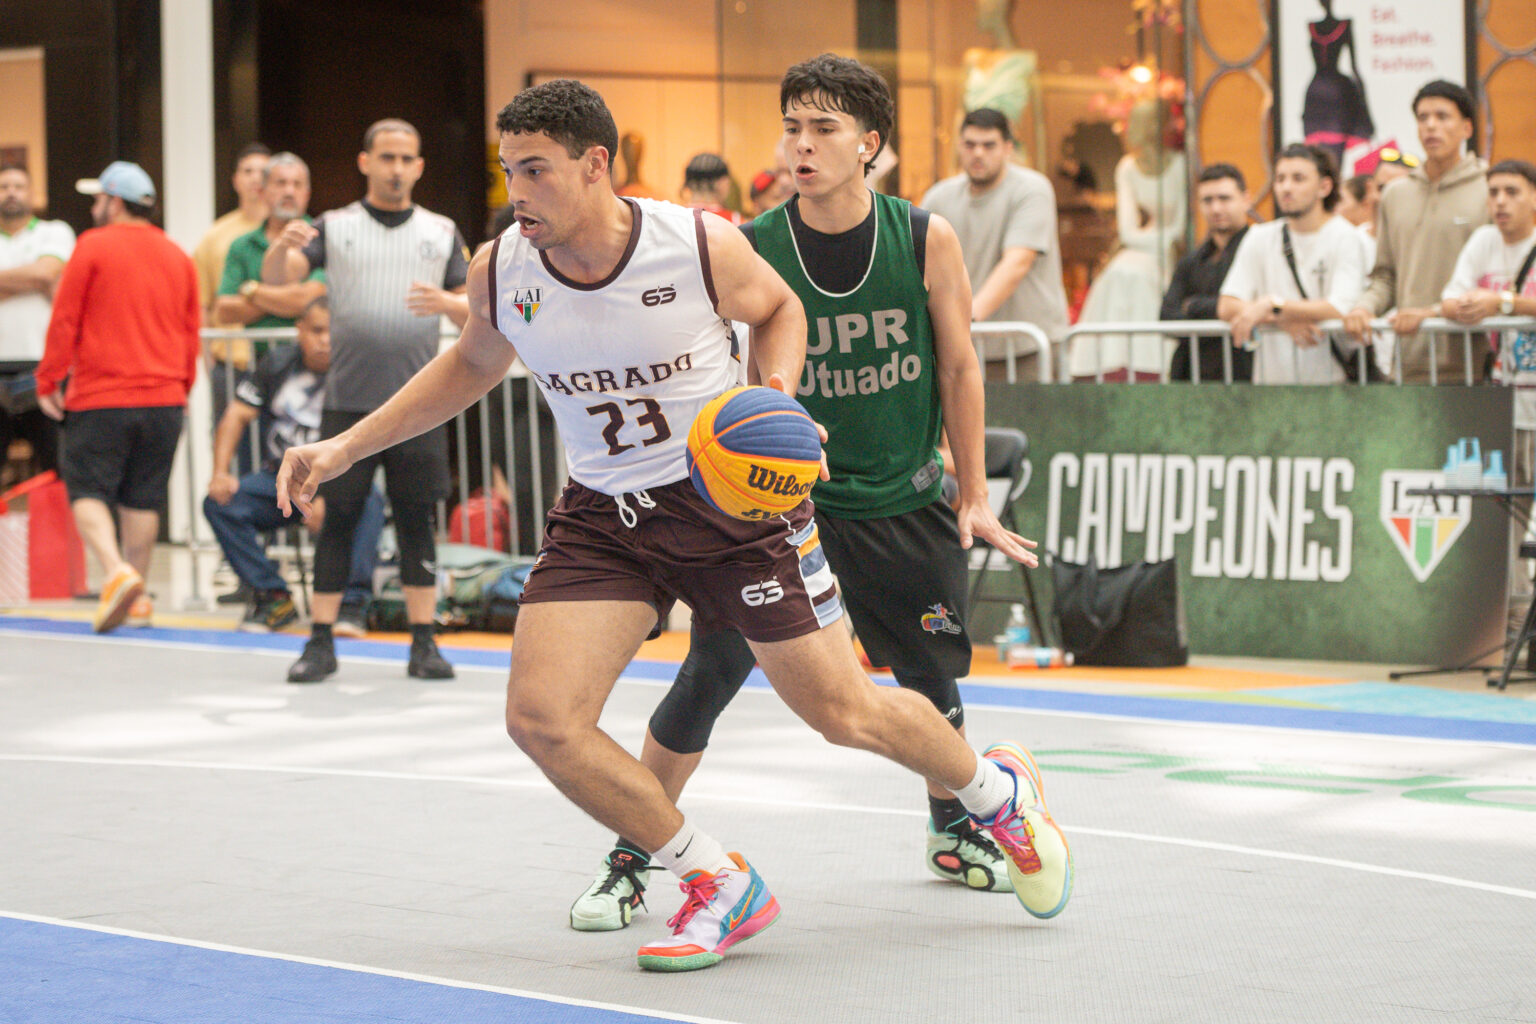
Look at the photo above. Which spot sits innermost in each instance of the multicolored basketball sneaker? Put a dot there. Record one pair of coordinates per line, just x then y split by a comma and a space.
967, 856
718, 911
610, 901
1039, 862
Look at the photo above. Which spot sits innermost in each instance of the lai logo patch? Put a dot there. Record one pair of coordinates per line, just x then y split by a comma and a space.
1423, 528
527, 302
936, 620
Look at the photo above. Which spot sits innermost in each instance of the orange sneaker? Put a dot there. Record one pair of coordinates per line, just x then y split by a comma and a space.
117, 596
141, 613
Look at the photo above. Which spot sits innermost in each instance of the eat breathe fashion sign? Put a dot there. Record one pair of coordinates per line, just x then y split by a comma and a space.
1347, 69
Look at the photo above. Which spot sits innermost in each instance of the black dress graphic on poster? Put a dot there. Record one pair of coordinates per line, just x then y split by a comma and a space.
1335, 114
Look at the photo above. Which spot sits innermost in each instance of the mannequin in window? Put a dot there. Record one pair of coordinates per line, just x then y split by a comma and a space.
632, 149
1005, 78
1151, 210
1335, 114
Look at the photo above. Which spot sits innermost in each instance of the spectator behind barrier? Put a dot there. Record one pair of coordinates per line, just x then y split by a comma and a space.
1221, 193
1494, 277
243, 299
707, 186
1321, 274
209, 255
32, 256
770, 188
1005, 216
124, 331
286, 393
1423, 220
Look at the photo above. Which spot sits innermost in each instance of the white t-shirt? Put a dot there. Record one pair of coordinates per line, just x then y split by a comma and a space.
24, 318
1331, 262
1487, 262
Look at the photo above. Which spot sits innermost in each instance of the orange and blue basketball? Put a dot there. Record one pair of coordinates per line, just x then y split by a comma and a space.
753, 452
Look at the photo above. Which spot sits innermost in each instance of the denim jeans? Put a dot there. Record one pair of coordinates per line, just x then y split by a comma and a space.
253, 510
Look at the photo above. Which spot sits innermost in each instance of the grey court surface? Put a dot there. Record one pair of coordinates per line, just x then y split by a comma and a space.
187, 838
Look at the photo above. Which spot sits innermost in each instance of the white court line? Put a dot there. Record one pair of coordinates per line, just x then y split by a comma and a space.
814, 805
1102, 716
218, 947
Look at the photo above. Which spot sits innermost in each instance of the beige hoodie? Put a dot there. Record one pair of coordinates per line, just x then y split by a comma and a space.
1421, 227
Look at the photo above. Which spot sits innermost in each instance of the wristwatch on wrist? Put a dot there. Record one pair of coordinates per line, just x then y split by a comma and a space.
1276, 305
248, 288
1506, 303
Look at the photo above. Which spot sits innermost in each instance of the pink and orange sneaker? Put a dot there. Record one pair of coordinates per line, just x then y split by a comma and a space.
718, 911
1039, 861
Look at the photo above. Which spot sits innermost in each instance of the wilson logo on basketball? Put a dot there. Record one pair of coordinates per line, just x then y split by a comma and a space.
763, 479
659, 296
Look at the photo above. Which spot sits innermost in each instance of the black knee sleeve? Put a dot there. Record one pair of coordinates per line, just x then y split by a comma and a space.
944, 693
710, 676
418, 548
333, 551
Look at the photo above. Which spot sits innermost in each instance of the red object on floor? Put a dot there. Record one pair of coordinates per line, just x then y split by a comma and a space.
483, 520
55, 553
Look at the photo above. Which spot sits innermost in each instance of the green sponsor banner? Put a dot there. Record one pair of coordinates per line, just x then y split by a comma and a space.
1286, 507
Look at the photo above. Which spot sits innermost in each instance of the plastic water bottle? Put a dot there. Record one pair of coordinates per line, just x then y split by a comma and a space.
1038, 657
1016, 634
1494, 478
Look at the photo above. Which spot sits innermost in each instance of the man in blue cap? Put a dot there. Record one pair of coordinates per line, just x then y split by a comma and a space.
124, 333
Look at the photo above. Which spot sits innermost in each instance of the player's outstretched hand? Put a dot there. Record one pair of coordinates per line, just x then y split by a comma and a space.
304, 469
977, 520
776, 382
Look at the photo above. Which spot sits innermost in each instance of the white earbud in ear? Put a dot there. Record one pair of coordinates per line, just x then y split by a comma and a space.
861, 147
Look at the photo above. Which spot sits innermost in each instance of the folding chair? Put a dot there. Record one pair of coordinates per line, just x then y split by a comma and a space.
1008, 474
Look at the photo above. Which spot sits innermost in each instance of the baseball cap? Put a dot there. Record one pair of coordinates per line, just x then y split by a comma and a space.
127, 181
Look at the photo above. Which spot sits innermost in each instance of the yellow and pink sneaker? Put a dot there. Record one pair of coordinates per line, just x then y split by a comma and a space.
718, 911
1039, 862
122, 588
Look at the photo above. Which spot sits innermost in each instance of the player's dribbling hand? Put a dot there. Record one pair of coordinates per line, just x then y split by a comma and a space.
304, 469
776, 382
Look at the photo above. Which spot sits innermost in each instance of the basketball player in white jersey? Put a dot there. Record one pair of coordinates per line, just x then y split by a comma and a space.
618, 307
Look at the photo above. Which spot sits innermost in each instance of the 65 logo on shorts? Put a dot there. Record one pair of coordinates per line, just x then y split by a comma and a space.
756, 594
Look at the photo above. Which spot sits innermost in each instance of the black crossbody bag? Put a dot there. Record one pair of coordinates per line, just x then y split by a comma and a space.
1351, 367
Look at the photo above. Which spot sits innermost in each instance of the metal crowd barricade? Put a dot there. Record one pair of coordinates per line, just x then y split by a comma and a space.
532, 456
1196, 329
1009, 331
1434, 329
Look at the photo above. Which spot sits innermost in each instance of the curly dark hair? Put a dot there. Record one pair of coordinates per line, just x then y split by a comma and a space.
845, 86
570, 113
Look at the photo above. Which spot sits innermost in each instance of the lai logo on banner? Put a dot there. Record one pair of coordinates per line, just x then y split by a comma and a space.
1423, 528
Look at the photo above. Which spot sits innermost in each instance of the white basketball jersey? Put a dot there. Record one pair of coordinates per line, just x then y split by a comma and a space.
625, 363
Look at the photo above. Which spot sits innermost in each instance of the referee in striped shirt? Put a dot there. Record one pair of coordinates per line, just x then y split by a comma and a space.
393, 269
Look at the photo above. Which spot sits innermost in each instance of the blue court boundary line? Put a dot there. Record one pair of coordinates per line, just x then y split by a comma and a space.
1166, 709
52, 970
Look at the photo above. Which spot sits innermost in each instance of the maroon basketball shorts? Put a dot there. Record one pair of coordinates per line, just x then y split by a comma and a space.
768, 580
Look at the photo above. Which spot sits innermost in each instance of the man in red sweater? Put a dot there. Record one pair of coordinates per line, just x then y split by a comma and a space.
124, 331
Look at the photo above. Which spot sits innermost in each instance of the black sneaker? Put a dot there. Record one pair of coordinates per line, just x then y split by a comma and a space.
240, 595
351, 621
427, 662
317, 662
271, 610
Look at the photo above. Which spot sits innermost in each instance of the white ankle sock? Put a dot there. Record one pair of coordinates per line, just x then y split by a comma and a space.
986, 793
691, 850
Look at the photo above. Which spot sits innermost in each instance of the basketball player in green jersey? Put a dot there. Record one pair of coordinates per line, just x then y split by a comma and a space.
888, 363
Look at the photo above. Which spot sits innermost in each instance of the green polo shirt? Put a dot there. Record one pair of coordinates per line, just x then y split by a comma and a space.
243, 263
